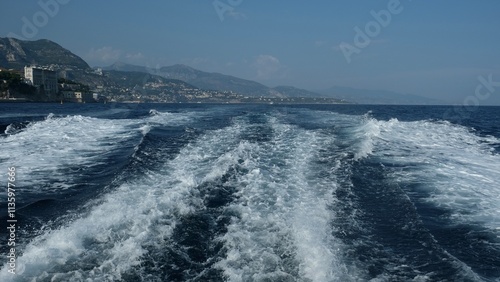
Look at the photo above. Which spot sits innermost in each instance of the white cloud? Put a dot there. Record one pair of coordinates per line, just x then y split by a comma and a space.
267, 66
104, 55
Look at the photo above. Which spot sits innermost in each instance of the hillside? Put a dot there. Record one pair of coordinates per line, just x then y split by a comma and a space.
217, 81
15, 54
132, 79
214, 81
119, 66
200, 79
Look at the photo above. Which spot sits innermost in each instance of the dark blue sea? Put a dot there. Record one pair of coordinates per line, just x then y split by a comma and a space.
178, 192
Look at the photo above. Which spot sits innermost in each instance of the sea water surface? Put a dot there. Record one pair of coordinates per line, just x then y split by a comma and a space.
159, 192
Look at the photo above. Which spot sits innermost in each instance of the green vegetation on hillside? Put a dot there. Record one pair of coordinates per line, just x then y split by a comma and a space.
12, 82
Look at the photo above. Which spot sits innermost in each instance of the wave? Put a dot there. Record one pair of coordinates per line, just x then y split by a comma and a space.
282, 230
452, 175
243, 196
458, 168
44, 151
105, 244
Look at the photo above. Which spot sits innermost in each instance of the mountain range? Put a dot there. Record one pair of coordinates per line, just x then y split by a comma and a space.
15, 54
218, 81
203, 80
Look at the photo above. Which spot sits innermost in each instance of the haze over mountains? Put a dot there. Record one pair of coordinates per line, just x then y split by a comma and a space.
15, 54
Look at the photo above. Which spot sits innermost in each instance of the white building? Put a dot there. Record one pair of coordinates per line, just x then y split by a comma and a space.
77, 96
38, 77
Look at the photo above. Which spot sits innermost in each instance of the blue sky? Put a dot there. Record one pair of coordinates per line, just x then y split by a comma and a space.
430, 48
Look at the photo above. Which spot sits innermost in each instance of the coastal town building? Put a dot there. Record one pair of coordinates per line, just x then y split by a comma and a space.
77, 96
71, 92
42, 77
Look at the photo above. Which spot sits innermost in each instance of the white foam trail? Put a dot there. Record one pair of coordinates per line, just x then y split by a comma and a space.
320, 254
114, 235
357, 132
366, 134
284, 228
168, 118
458, 168
44, 148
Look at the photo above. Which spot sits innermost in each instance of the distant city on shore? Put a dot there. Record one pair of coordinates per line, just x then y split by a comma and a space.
43, 71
